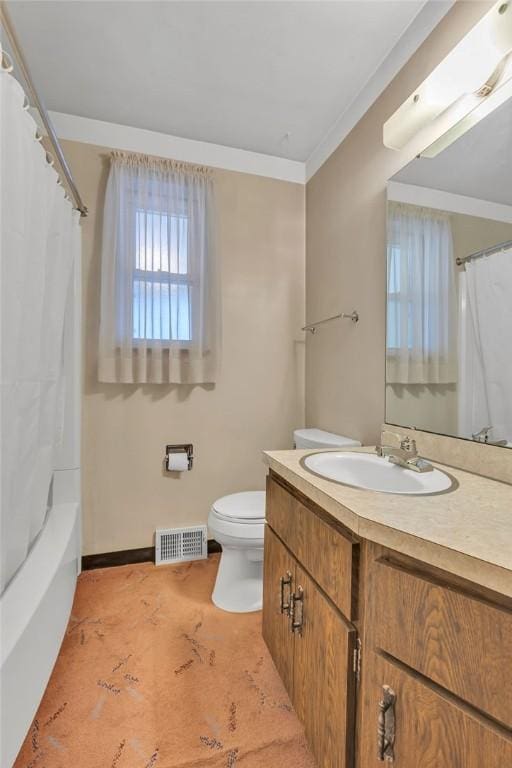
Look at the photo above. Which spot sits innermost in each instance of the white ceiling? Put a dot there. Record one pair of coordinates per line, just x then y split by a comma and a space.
478, 165
271, 77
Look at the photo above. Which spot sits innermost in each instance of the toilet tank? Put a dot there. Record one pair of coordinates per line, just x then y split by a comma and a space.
317, 438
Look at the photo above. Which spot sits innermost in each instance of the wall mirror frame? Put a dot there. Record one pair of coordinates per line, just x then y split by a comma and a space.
449, 287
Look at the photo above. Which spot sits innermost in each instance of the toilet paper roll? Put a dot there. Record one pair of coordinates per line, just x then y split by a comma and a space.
177, 462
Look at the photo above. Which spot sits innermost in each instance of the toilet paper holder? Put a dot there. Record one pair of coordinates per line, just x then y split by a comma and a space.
187, 448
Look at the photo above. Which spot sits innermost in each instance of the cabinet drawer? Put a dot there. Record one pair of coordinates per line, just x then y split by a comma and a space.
325, 549
454, 637
427, 729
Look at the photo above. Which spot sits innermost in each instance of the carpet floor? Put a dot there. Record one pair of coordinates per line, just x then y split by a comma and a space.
152, 675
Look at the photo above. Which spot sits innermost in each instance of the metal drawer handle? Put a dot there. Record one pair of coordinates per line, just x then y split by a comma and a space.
386, 726
285, 581
297, 611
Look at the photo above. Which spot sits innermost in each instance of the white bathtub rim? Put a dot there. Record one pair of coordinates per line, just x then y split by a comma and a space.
24, 592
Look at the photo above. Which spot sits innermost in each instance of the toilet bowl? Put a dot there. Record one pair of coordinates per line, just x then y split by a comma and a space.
237, 523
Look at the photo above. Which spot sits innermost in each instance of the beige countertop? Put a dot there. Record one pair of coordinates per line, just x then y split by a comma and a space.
467, 532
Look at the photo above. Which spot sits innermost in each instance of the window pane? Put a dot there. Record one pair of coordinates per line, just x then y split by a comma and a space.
161, 242
393, 325
161, 311
394, 269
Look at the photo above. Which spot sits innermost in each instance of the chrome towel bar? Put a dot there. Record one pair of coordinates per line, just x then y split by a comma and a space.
311, 327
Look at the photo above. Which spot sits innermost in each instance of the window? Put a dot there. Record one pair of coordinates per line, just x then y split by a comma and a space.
162, 283
159, 279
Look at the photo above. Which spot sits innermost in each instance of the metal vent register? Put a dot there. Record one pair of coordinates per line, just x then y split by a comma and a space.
177, 545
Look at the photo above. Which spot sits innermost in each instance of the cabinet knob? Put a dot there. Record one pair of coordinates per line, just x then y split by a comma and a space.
386, 725
285, 581
297, 611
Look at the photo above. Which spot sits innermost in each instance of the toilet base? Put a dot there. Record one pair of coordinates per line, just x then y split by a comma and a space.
239, 584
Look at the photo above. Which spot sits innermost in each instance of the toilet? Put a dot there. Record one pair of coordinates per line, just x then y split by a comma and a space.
237, 523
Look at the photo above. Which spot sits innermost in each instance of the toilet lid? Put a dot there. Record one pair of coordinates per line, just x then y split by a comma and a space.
244, 507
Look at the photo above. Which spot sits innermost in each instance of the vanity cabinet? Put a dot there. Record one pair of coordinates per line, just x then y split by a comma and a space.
386, 660
311, 642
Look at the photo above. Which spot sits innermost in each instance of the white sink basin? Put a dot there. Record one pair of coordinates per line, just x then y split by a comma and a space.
374, 473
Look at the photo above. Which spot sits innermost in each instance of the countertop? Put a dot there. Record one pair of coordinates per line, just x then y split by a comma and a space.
467, 532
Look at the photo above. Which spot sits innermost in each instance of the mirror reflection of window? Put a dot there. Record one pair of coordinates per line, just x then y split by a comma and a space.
422, 315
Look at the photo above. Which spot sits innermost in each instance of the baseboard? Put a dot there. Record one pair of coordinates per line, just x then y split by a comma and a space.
130, 557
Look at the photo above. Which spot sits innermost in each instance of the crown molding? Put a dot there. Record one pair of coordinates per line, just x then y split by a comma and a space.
416, 33
129, 139
426, 197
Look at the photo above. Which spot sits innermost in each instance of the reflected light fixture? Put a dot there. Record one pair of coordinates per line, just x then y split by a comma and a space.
473, 80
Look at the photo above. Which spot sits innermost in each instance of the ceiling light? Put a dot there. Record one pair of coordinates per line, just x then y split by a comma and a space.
471, 81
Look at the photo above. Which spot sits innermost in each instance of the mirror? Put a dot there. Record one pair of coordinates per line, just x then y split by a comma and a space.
449, 288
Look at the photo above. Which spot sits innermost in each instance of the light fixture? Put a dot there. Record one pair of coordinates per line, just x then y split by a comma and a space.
474, 79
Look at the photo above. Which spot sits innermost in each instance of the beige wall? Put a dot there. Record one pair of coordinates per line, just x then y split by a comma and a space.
257, 401
345, 251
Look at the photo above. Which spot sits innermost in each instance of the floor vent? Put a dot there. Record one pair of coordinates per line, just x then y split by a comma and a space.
177, 545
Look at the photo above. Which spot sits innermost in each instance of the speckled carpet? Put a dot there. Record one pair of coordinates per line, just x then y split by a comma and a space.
152, 675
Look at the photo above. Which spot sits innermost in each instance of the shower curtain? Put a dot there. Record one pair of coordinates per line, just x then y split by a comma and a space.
40, 238
486, 351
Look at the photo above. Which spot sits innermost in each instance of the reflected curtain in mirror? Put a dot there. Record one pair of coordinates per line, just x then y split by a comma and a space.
486, 348
159, 304
421, 313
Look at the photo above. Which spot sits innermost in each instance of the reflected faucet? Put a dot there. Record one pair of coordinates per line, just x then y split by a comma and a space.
483, 437
402, 451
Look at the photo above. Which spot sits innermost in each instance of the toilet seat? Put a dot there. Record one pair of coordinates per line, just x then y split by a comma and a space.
246, 508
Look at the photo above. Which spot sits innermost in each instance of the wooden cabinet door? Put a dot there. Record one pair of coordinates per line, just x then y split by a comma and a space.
324, 678
432, 729
278, 565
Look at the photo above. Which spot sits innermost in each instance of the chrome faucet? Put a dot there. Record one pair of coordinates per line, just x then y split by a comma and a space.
402, 451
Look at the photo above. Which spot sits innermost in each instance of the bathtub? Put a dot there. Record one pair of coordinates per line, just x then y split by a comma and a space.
34, 611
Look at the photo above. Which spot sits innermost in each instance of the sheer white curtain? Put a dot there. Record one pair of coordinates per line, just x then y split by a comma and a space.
486, 386
159, 290
422, 309
39, 238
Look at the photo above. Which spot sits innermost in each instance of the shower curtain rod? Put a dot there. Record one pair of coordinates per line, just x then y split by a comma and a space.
38, 104
485, 252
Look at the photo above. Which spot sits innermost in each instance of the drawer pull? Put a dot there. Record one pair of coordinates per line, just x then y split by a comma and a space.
297, 611
386, 725
285, 581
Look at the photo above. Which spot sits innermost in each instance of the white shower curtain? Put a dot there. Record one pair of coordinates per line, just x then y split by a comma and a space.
40, 238
486, 383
